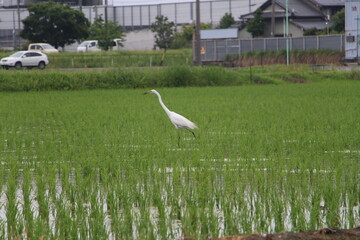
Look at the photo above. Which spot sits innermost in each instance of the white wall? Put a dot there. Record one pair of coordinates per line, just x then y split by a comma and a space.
139, 40
352, 25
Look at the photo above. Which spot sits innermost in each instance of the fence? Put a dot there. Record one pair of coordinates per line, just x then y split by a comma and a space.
116, 60
217, 50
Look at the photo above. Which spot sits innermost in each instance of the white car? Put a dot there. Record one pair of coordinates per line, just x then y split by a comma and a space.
42, 47
93, 45
27, 59
88, 46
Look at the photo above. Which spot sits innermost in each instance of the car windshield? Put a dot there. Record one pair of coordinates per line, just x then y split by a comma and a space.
47, 46
17, 54
84, 44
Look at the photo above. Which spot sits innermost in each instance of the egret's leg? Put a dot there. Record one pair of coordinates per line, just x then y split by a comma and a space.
192, 133
178, 133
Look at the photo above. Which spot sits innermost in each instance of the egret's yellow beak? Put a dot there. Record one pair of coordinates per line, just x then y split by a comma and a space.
148, 92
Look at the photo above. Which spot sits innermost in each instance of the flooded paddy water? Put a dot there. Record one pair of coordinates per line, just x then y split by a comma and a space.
106, 164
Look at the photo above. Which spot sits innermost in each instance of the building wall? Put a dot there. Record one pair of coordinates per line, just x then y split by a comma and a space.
352, 31
24, 3
141, 39
139, 17
244, 34
294, 31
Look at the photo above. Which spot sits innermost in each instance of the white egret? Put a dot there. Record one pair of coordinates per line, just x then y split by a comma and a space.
178, 120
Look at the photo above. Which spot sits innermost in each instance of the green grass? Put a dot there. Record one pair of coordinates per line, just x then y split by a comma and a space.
172, 76
100, 164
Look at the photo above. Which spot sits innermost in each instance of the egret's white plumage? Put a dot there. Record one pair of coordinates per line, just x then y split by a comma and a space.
178, 120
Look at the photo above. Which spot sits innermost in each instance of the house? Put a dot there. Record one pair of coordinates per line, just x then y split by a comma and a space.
302, 15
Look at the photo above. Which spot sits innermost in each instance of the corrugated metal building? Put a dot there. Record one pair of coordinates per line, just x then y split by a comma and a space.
134, 18
24, 3
352, 31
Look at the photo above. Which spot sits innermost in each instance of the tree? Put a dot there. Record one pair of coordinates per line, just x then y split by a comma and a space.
164, 32
105, 33
187, 30
184, 37
338, 21
55, 24
227, 20
256, 25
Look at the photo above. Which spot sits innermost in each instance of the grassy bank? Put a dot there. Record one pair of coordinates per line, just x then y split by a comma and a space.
175, 76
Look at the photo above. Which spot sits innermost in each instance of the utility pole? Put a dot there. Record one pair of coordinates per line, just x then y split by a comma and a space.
273, 18
287, 32
18, 13
357, 36
197, 35
80, 5
106, 14
251, 5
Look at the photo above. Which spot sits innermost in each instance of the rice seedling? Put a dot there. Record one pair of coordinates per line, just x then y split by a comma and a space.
106, 164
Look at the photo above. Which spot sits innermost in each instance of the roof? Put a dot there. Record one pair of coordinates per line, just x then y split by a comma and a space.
307, 24
329, 3
296, 8
219, 33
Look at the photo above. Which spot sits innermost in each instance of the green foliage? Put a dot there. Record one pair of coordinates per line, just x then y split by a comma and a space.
105, 33
56, 24
174, 76
226, 21
184, 38
256, 25
164, 32
338, 21
180, 41
337, 26
187, 30
311, 31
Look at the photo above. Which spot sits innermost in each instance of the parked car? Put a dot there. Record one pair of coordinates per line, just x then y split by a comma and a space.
88, 46
27, 59
92, 45
42, 47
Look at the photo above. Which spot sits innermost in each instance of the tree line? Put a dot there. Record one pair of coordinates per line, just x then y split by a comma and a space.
60, 25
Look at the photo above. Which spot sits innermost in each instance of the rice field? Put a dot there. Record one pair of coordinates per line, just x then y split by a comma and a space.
106, 164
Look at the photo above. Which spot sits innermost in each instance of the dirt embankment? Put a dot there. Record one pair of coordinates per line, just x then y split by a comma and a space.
322, 234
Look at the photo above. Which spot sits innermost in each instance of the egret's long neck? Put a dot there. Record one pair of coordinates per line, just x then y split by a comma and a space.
162, 104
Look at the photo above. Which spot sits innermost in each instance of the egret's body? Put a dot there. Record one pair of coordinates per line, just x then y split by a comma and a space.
176, 119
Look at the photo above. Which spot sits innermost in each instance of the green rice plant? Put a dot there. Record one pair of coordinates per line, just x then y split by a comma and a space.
106, 163
11, 206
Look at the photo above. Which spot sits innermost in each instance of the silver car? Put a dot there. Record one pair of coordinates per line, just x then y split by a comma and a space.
27, 59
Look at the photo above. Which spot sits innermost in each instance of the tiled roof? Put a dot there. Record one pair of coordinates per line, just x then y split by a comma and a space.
296, 8
299, 9
329, 3
307, 24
